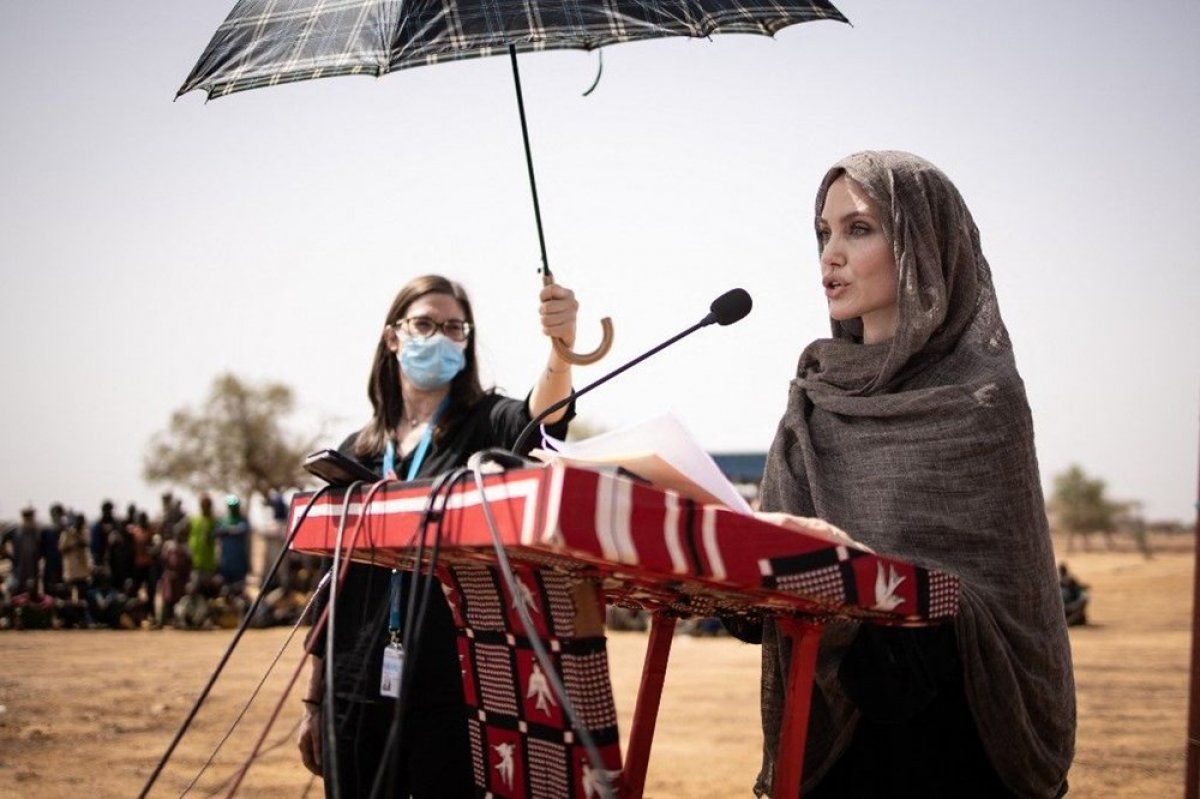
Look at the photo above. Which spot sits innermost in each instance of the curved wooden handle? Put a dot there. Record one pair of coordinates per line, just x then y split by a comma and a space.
583, 358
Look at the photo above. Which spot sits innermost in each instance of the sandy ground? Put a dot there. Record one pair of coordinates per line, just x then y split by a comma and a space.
90, 713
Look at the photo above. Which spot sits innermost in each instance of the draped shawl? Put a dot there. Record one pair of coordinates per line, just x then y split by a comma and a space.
922, 447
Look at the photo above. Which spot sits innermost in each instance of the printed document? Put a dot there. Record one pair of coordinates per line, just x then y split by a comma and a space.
660, 451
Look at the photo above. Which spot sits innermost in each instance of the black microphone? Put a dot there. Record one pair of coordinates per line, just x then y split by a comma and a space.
730, 307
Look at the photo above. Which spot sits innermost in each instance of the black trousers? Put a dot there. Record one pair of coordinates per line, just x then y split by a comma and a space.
916, 736
434, 757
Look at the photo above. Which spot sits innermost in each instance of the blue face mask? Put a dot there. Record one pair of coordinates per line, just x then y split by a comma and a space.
431, 362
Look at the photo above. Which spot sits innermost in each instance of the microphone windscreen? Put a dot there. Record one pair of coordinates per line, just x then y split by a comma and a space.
731, 306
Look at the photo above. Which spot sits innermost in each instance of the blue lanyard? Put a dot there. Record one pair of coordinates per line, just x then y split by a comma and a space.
389, 465
389, 452
394, 604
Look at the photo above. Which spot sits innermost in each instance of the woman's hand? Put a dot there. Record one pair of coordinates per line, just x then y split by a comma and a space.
308, 739
558, 310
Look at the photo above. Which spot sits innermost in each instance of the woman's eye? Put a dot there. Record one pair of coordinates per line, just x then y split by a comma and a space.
860, 229
822, 235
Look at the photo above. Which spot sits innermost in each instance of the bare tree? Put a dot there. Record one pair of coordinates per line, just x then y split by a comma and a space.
236, 442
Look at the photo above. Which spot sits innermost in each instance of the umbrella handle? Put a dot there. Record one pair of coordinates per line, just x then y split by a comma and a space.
583, 358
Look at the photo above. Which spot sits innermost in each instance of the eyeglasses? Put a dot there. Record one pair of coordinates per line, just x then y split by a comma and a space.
424, 327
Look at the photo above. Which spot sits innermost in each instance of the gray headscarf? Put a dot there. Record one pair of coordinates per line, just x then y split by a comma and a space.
922, 447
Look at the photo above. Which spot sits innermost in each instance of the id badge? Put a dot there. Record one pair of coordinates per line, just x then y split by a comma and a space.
393, 667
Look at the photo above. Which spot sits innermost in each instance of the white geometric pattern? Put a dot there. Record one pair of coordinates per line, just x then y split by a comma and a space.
496, 678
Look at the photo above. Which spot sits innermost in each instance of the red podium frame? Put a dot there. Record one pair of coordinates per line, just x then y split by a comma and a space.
656, 550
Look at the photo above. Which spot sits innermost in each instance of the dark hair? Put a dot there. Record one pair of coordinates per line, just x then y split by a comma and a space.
383, 387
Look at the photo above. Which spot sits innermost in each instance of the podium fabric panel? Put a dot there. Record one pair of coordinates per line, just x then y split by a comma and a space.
652, 548
522, 744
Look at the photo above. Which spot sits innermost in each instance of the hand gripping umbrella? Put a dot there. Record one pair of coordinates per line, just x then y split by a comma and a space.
266, 42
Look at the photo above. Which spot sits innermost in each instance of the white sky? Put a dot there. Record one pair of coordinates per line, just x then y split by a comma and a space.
147, 245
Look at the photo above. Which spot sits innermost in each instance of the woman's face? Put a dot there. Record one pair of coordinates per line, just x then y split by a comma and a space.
438, 307
858, 266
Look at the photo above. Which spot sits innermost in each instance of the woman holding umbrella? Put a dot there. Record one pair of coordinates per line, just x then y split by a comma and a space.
909, 428
430, 415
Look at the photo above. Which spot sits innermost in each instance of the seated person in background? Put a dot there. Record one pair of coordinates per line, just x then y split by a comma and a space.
192, 611
105, 604
33, 611
1074, 596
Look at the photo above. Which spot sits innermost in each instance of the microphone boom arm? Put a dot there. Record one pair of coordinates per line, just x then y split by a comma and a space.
523, 438
724, 310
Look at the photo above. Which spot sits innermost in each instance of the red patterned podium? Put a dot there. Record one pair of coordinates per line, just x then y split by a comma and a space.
563, 528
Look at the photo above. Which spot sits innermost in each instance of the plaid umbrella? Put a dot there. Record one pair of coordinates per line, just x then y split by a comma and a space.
267, 42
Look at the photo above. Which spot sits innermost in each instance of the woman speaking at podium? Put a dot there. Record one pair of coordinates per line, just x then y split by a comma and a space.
430, 415
909, 428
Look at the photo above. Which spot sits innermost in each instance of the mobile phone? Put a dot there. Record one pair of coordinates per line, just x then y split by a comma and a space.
336, 469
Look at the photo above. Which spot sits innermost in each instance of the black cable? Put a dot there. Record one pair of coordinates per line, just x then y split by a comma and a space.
361, 677
438, 518
284, 739
414, 625
329, 747
326, 582
535, 641
253, 695
330, 757
365, 618
162, 762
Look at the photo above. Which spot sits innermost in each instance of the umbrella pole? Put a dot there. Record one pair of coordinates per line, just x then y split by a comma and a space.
537, 209
560, 346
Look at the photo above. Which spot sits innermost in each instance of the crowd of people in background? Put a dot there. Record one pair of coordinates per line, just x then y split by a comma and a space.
141, 572
192, 572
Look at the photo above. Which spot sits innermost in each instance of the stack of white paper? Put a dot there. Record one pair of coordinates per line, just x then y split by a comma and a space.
659, 450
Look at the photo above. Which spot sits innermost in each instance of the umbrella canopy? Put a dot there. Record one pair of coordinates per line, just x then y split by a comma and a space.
267, 42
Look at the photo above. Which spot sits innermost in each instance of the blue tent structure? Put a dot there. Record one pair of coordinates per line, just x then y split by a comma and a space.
742, 468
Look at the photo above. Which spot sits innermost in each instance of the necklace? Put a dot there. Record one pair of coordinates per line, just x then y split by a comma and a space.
417, 419
418, 413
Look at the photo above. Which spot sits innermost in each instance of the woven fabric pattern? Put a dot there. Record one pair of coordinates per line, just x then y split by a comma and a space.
522, 742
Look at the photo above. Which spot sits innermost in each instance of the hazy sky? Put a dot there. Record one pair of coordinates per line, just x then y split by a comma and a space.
148, 245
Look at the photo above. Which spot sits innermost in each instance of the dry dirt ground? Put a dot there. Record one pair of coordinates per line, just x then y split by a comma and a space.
89, 713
